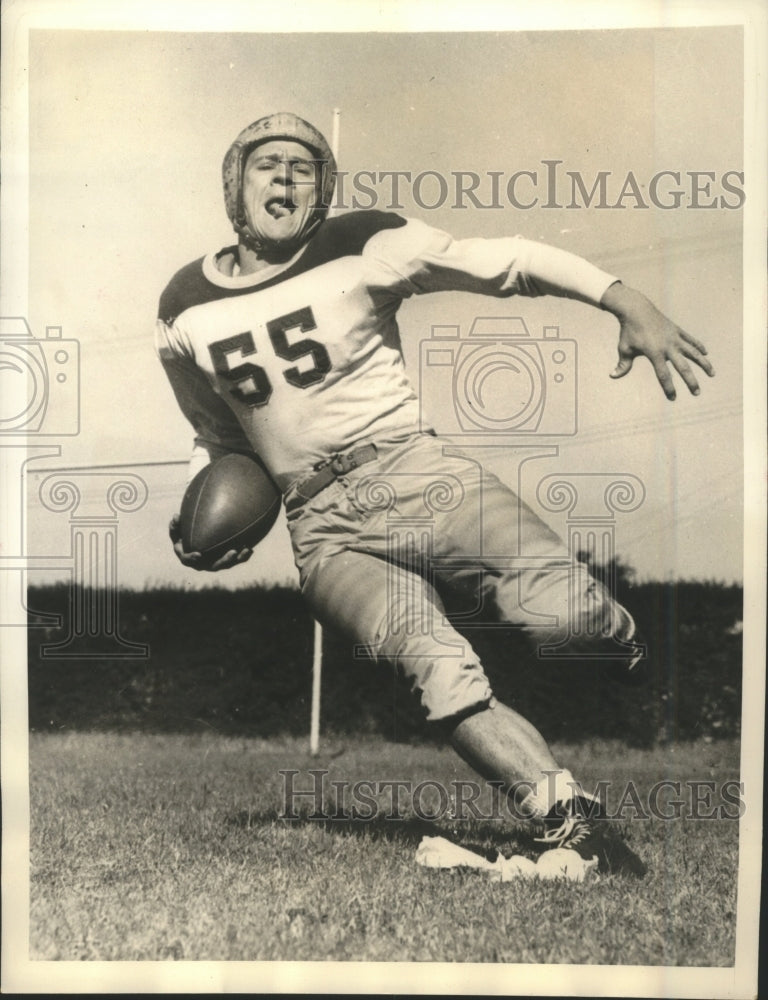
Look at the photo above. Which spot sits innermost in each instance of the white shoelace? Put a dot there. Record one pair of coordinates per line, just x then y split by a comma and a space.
560, 833
564, 832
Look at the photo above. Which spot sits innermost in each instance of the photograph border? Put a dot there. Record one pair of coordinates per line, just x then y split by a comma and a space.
24, 976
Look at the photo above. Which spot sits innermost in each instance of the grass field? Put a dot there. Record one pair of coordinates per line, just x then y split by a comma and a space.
150, 847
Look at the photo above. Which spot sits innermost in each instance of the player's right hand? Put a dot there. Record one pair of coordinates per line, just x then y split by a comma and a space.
195, 559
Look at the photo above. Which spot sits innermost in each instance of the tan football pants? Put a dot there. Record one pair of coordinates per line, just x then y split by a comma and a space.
378, 547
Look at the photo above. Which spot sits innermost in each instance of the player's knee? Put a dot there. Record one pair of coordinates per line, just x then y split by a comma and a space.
452, 691
596, 624
446, 678
597, 616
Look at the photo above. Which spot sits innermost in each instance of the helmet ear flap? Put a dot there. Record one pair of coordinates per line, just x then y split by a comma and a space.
327, 184
232, 178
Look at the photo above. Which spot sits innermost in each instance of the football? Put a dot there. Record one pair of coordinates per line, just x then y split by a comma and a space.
230, 504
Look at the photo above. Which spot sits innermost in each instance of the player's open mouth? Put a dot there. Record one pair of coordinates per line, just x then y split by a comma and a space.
278, 208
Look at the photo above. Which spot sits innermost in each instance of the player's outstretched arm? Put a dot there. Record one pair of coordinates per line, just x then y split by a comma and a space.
646, 331
427, 260
195, 559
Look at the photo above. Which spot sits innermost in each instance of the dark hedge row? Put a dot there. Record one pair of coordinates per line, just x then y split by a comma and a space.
241, 662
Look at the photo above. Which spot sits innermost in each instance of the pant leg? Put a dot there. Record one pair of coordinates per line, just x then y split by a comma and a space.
387, 608
487, 545
525, 575
396, 616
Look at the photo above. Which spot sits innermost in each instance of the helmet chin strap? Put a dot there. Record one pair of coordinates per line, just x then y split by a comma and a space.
282, 249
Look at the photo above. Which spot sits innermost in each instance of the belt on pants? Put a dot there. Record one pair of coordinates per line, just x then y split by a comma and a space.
334, 467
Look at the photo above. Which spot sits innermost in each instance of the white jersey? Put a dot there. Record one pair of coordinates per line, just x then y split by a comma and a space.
301, 360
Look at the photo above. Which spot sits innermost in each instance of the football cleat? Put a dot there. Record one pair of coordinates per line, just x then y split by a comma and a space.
578, 824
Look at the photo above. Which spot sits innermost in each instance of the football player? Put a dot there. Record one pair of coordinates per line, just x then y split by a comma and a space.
286, 344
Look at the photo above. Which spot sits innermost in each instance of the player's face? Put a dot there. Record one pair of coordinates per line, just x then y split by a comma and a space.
280, 185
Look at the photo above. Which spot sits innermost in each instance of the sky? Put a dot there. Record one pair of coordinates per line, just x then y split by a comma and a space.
127, 130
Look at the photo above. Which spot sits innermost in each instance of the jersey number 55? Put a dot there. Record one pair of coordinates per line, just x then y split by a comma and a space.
249, 382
